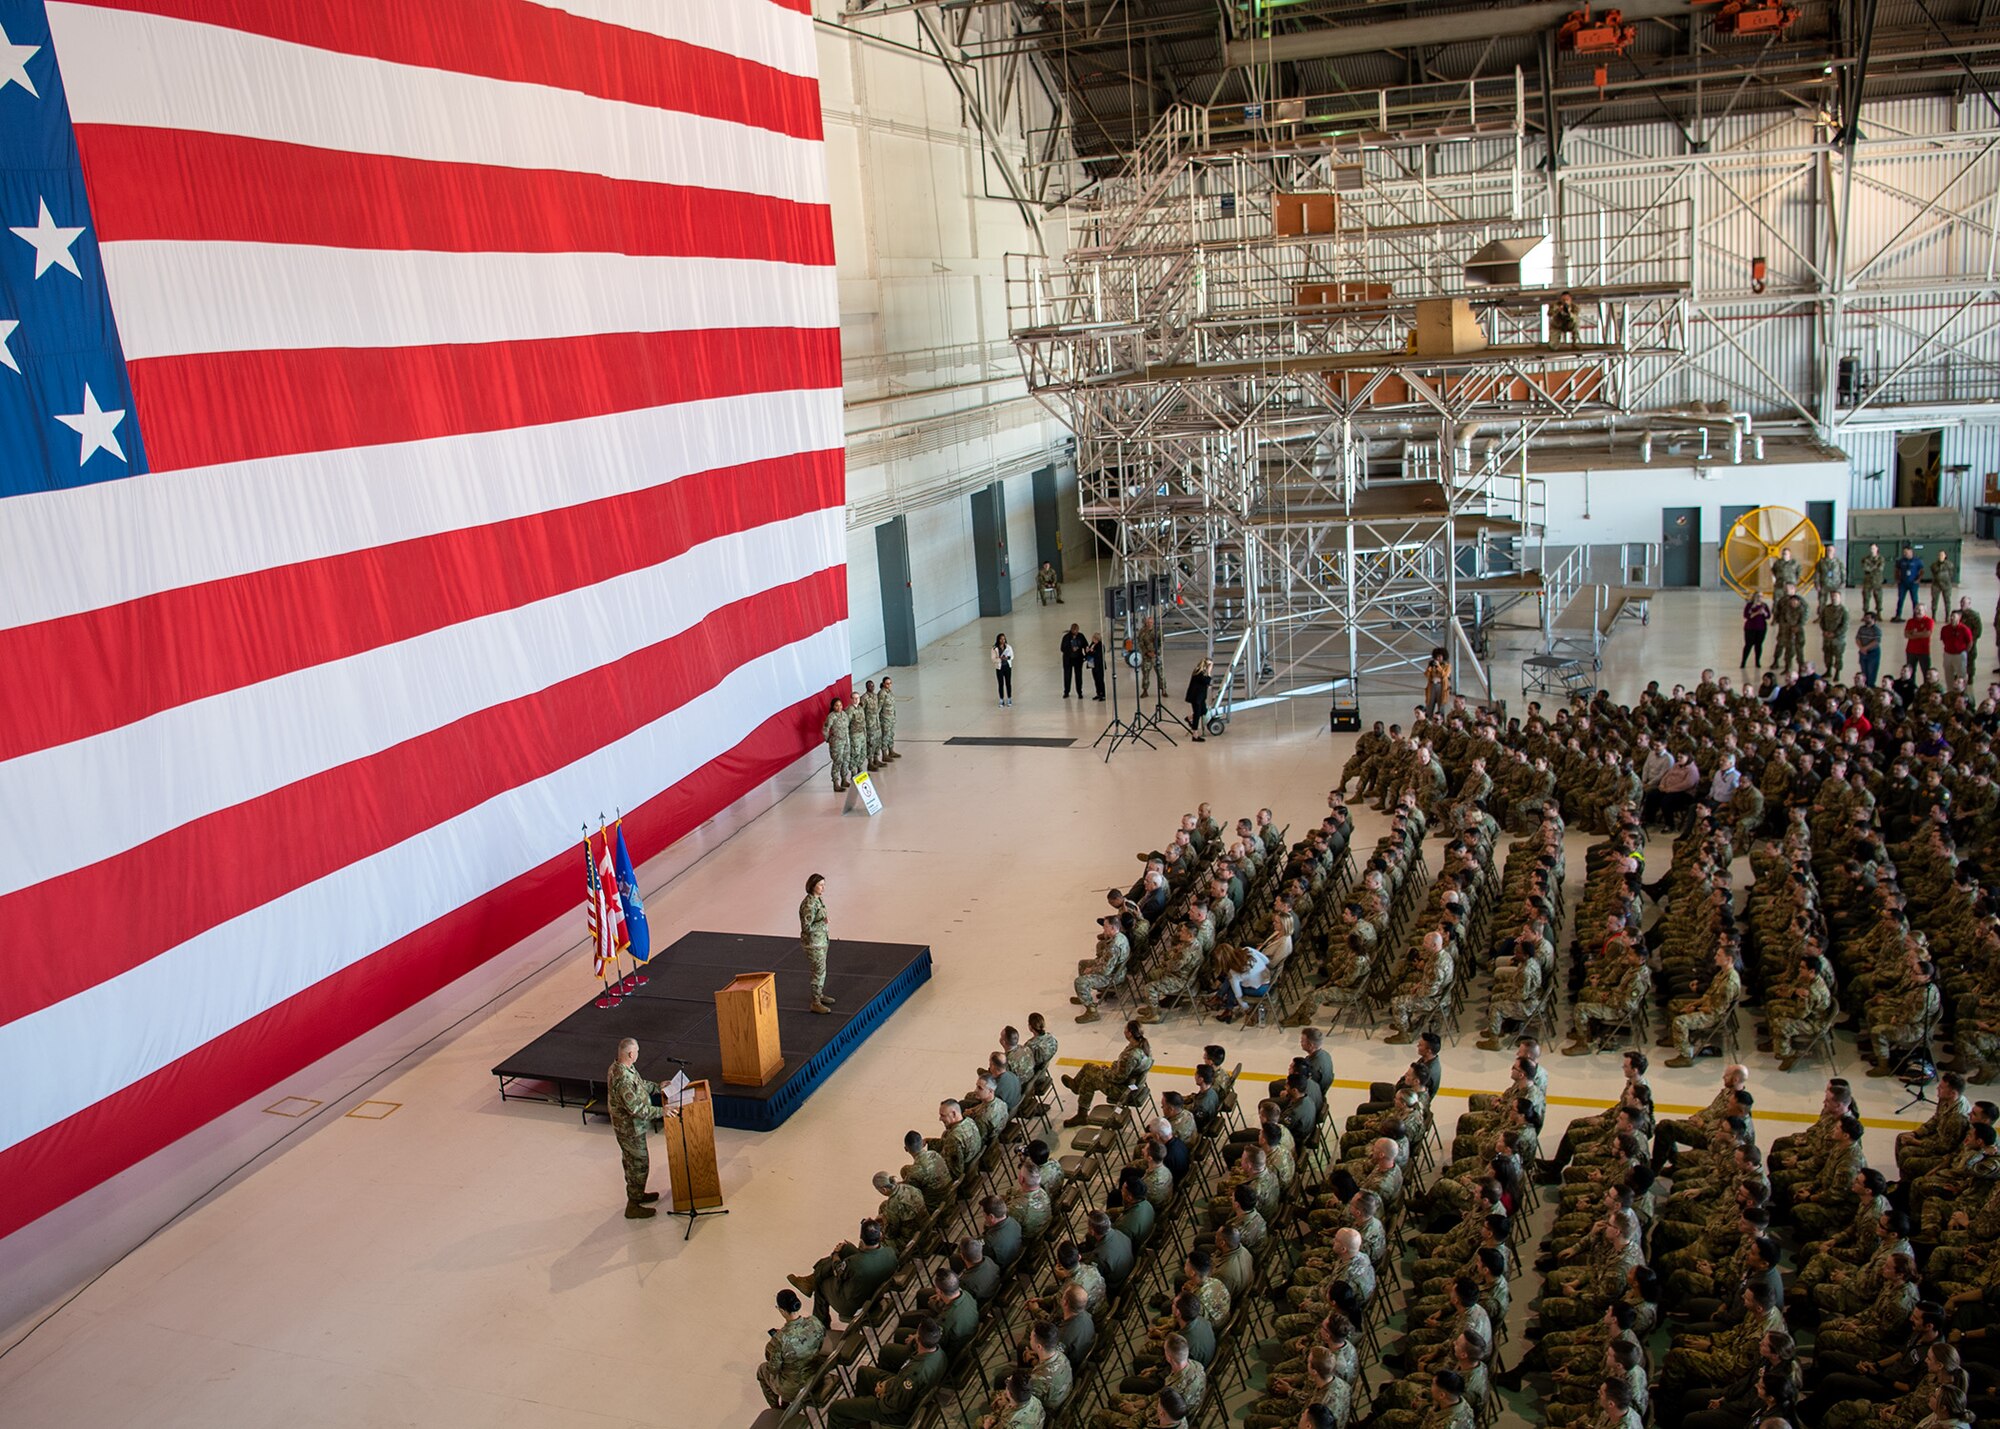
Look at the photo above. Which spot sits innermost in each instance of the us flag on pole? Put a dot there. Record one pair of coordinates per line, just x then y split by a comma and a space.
420, 429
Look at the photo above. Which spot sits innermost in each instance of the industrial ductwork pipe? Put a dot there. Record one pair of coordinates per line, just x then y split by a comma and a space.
1456, 27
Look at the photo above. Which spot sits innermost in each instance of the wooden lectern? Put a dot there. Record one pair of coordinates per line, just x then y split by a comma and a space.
746, 1014
691, 1152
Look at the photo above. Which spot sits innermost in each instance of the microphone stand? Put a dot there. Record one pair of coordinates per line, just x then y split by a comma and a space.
1119, 729
687, 1174
1919, 1068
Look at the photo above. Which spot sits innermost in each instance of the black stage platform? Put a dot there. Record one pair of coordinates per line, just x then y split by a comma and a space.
673, 1015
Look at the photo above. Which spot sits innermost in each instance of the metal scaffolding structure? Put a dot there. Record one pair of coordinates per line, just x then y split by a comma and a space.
1231, 336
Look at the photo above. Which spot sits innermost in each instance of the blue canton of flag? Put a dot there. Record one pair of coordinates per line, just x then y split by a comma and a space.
637, 934
66, 414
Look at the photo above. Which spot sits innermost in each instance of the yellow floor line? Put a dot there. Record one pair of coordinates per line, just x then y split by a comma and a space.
1589, 1103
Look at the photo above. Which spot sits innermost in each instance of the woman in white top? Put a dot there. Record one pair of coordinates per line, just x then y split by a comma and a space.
1003, 667
1245, 970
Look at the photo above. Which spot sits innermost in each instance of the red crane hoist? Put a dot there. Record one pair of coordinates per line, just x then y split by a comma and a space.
1755, 19
1603, 34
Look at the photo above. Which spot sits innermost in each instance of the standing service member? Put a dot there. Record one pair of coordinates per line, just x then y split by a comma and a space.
812, 937
635, 1110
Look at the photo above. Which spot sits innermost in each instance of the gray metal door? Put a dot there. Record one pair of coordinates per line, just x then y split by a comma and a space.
1820, 513
989, 550
1680, 546
1048, 521
899, 605
1730, 516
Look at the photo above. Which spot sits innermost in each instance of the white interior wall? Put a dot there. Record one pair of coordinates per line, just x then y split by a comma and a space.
1610, 506
936, 405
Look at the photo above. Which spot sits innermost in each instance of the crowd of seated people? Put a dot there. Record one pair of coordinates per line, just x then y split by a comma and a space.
1688, 1273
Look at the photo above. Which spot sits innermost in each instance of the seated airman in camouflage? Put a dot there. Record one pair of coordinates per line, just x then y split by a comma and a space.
1105, 968
1799, 1011
792, 1353
903, 1212
927, 1171
1101, 1078
1516, 994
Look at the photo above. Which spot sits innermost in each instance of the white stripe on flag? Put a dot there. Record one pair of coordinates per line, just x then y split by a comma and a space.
174, 298
99, 796
141, 1021
753, 30
100, 545
124, 67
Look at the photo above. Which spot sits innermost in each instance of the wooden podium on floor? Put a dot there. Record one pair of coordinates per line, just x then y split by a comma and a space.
690, 1137
746, 1016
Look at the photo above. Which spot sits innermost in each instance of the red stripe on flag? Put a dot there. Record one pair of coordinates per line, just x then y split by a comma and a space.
216, 188
254, 851
127, 661
204, 409
65, 1160
526, 44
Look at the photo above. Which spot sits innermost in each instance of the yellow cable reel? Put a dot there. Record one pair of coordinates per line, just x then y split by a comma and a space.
1759, 538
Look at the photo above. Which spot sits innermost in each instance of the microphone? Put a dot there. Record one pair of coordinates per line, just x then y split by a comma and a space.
677, 1061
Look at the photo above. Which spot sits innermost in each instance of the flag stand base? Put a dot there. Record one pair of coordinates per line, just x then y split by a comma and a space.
631, 982
610, 999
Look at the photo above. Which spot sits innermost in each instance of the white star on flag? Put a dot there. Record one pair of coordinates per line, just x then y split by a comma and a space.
51, 243
14, 63
97, 427
7, 359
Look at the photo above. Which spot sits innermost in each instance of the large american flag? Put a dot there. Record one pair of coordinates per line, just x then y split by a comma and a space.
420, 432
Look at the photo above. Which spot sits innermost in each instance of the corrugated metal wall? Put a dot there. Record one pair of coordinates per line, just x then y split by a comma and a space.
1760, 192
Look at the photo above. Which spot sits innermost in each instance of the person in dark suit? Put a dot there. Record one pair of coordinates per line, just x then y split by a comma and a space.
1093, 660
1074, 648
1178, 1154
1197, 698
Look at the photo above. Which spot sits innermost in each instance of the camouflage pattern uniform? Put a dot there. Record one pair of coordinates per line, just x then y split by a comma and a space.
857, 737
1006, 1414
885, 704
1105, 968
1944, 582
1790, 622
788, 1359
1705, 1013
1149, 659
1832, 636
1371, 743
834, 730
812, 937
1101, 1078
630, 1099
1797, 1024
904, 1212
871, 721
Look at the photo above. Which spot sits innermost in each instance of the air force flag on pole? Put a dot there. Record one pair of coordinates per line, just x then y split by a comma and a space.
638, 935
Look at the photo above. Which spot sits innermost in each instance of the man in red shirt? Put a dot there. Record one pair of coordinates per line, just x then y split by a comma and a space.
1956, 638
1917, 643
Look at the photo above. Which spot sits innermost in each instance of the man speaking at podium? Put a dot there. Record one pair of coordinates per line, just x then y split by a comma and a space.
635, 1110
